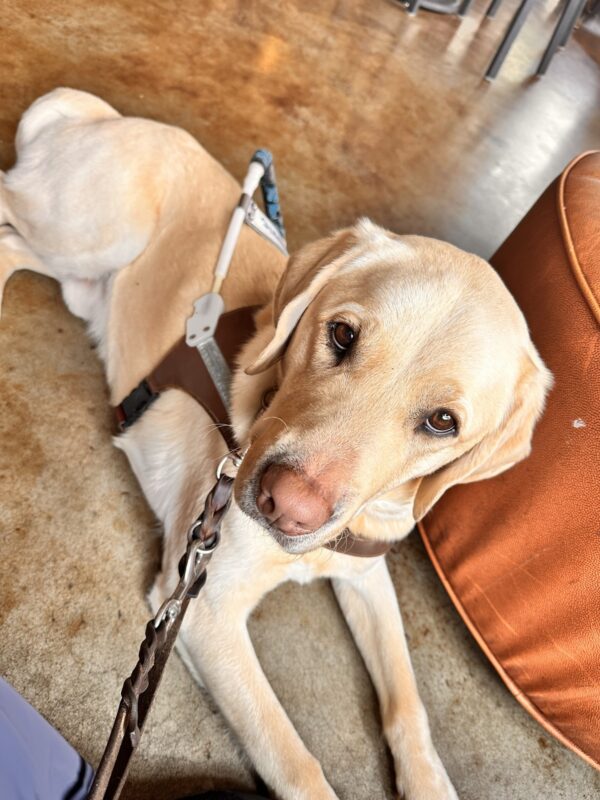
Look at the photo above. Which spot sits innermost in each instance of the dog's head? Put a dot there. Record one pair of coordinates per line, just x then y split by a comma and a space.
403, 366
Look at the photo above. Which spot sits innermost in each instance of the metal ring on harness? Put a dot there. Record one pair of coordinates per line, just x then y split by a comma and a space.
235, 458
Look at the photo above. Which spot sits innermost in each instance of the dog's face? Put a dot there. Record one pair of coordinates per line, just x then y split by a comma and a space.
403, 367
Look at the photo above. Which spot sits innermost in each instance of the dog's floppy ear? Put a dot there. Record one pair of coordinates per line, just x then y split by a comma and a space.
306, 274
509, 443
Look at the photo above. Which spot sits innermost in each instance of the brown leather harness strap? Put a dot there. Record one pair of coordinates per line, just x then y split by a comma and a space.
183, 368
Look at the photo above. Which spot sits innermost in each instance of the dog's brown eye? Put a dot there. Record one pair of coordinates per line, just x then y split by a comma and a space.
440, 423
342, 335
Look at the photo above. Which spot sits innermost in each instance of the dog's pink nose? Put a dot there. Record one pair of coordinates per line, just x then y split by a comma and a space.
290, 502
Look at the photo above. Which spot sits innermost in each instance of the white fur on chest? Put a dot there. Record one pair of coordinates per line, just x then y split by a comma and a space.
303, 571
391, 510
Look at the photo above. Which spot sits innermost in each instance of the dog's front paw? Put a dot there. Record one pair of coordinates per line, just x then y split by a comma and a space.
424, 778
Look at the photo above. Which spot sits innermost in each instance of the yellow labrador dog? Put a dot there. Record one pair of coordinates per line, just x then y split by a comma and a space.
401, 364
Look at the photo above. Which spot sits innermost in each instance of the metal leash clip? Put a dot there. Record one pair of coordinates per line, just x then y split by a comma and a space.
236, 459
198, 553
199, 550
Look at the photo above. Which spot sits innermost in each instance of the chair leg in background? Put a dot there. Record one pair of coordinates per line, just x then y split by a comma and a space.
509, 38
493, 7
580, 15
570, 14
413, 6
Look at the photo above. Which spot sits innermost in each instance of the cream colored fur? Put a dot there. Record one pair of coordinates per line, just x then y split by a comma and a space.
128, 215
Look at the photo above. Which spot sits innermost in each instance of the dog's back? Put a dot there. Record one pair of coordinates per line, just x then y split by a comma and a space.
88, 189
93, 192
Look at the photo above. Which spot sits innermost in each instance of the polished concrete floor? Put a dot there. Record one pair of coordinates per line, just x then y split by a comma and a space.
368, 111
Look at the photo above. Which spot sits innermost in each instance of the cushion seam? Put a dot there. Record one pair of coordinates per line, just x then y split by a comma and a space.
571, 251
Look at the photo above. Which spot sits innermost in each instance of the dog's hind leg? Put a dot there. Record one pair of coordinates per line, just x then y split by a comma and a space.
16, 255
86, 299
60, 105
85, 193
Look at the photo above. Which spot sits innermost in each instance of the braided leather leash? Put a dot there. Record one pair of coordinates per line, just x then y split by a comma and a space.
139, 689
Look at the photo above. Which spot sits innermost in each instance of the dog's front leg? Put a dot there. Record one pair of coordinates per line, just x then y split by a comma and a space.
369, 603
216, 640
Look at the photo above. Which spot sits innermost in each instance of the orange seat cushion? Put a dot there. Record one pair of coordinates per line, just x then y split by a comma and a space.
520, 554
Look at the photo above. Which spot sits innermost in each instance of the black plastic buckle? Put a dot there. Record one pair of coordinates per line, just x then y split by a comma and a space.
134, 405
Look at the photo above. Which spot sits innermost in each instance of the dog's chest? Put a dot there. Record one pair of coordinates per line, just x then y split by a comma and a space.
302, 571
320, 563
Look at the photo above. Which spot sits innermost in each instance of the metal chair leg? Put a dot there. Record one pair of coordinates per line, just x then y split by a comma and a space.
413, 6
567, 36
570, 14
509, 38
466, 5
493, 7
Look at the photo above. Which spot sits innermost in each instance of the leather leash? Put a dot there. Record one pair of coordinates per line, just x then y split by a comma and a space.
139, 689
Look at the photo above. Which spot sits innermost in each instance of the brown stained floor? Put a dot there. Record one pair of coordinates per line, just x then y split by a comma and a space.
368, 111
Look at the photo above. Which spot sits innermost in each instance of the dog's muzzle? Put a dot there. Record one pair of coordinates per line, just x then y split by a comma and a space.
291, 502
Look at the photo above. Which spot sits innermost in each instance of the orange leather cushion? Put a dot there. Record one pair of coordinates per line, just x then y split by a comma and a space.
520, 553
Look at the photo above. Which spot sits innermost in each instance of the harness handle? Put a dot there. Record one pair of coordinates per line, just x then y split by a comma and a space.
268, 186
260, 172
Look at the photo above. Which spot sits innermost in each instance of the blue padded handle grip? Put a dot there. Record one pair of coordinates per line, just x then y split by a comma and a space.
268, 186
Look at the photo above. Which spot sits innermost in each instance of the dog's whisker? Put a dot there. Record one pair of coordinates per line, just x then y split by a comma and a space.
216, 459
213, 426
279, 419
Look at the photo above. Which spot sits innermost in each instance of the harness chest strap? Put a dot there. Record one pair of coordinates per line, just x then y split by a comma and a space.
183, 368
